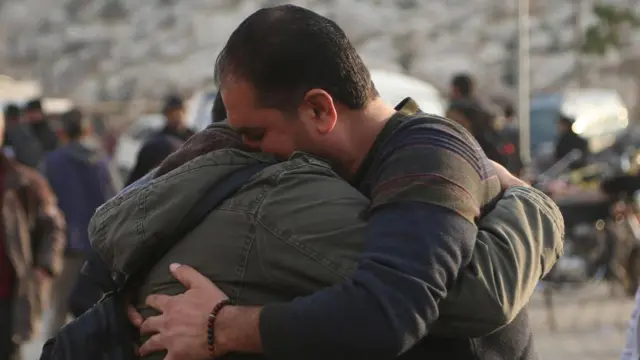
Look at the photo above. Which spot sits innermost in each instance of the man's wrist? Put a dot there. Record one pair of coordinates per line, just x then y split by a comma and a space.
237, 329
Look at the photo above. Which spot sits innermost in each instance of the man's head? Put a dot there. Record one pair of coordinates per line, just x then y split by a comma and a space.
287, 75
33, 112
509, 112
12, 114
461, 86
174, 111
565, 123
75, 125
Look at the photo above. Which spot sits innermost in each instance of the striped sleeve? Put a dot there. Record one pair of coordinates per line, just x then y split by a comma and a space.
435, 162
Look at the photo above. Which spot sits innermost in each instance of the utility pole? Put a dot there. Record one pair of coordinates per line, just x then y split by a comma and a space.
524, 84
578, 35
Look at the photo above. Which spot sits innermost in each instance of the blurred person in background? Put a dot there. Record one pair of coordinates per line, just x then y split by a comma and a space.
82, 178
468, 114
34, 116
462, 87
31, 244
25, 147
163, 143
568, 141
175, 113
511, 134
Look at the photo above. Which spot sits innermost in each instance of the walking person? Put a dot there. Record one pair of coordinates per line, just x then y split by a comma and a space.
19, 136
34, 116
31, 244
82, 178
164, 142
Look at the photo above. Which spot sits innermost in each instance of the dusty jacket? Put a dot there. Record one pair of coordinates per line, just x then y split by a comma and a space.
34, 237
297, 227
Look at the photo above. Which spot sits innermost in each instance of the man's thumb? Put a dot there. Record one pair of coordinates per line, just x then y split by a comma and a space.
187, 275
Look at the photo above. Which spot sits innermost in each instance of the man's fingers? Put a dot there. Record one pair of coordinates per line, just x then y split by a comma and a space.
506, 178
134, 316
152, 325
188, 276
154, 344
158, 301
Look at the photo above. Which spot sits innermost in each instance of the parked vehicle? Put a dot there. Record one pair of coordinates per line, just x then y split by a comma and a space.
394, 87
600, 117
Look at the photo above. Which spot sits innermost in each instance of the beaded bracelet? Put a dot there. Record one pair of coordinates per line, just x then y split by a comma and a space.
211, 324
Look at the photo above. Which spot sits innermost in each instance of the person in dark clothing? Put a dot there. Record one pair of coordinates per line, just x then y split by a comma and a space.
151, 155
82, 178
20, 138
37, 120
307, 89
469, 115
511, 134
174, 112
31, 244
462, 87
163, 143
569, 141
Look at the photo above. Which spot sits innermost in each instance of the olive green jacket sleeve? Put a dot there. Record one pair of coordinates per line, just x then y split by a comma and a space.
518, 243
310, 244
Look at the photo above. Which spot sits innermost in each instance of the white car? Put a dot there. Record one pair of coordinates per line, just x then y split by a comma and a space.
394, 87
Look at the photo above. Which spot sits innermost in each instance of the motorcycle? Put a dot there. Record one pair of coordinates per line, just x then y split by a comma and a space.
602, 231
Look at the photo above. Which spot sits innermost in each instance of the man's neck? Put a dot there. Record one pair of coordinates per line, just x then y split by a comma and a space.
363, 126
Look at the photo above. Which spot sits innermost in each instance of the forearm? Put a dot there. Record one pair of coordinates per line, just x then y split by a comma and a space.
385, 309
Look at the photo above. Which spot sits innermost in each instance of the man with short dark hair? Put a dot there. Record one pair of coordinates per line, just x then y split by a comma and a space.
174, 112
291, 81
34, 116
462, 86
568, 141
162, 144
82, 178
20, 138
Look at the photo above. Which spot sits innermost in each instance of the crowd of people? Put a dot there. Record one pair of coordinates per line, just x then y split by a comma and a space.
366, 230
52, 180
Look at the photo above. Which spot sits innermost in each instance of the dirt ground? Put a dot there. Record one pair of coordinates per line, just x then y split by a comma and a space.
591, 325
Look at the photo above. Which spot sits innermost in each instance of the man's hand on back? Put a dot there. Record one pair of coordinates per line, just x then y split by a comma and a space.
181, 328
506, 178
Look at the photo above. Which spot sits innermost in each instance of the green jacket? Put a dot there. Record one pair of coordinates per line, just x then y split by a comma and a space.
296, 227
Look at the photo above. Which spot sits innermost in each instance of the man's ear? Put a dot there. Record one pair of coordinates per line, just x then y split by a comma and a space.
319, 110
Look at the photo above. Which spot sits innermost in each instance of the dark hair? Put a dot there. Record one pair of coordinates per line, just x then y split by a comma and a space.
509, 111
463, 83
285, 51
218, 110
172, 102
34, 105
74, 124
11, 111
566, 120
